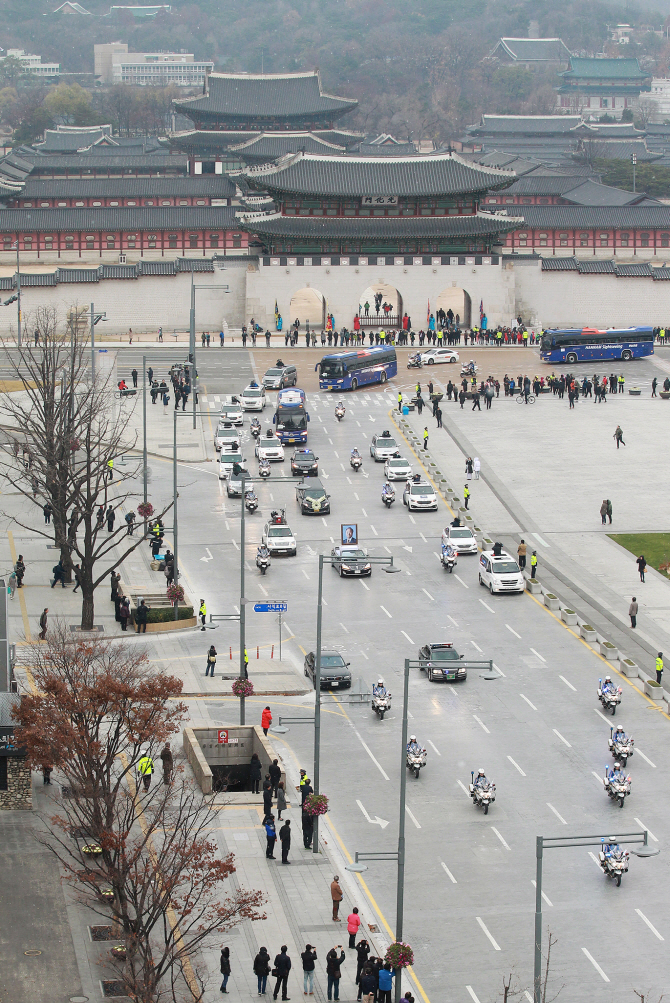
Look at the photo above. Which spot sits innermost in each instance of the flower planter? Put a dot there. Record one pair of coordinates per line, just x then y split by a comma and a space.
107, 895
635, 391
569, 616
551, 601
91, 851
665, 394
533, 586
653, 690
609, 650
118, 953
628, 667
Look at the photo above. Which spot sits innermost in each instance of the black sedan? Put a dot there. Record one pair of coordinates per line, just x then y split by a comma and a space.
312, 498
350, 561
440, 661
335, 672
304, 463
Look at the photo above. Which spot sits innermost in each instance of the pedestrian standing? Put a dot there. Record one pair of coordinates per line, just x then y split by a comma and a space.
20, 570
641, 565
308, 957
603, 512
367, 984
438, 416
141, 617
166, 760
476, 466
225, 967
469, 466
46, 775
124, 612
533, 564
11, 584
307, 830
466, 495
48, 512
166, 401
266, 720
271, 837
211, 661
134, 376
282, 968
618, 437
632, 612
475, 400
353, 923
425, 437
43, 623
654, 384
285, 839
399, 402
145, 768
281, 799
202, 613
267, 795
274, 771
334, 971
609, 510
521, 554
110, 516
385, 984
59, 575
262, 970
362, 952
419, 404
337, 896
255, 774
659, 667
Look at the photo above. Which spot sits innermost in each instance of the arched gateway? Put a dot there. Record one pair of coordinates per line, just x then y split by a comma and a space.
308, 305
380, 305
459, 302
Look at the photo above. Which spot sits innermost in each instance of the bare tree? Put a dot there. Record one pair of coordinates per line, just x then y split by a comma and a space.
72, 432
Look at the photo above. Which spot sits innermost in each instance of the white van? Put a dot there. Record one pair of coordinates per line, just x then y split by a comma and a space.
500, 572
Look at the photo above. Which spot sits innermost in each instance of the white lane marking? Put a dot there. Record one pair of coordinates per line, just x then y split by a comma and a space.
387, 549
643, 826
386, 611
407, 636
499, 670
506, 845
428, 594
374, 530
516, 766
594, 858
593, 960
548, 901
435, 749
226, 522
539, 655
344, 628
597, 776
412, 519
540, 540
640, 753
324, 522
451, 617
526, 993
513, 631
236, 545
367, 749
564, 740
356, 496
364, 513
358, 422
557, 814
365, 656
305, 573
343, 467
448, 873
410, 715
335, 451
496, 946
473, 994
348, 480
264, 591
531, 705
475, 645
481, 723
650, 925
463, 788
602, 716
461, 581
487, 606
409, 812
423, 538
324, 601
437, 555
568, 684
364, 585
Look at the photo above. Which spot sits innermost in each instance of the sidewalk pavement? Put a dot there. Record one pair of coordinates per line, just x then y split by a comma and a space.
545, 492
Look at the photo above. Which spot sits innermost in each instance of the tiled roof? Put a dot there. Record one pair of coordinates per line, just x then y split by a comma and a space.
528, 125
73, 275
559, 264
608, 130
596, 267
273, 145
642, 270
123, 218
382, 150
217, 185
271, 96
604, 69
540, 184
158, 160
593, 194
346, 228
531, 49
341, 177
565, 217
661, 274
208, 139
69, 142
617, 151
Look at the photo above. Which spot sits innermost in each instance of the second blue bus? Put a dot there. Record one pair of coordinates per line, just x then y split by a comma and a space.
590, 344
349, 370
291, 417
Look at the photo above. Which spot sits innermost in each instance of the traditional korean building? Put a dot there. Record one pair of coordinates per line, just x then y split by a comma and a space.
376, 205
602, 85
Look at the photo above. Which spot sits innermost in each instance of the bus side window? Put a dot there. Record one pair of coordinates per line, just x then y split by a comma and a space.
307, 417
274, 419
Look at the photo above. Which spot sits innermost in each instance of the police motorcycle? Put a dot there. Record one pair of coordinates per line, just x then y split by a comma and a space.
388, 494
448, 557
263, 559
621, 745
339, 410
469, 368
609, 694
613, 860
355, 460
255, 428
616, 784
264, 467
250, 501
482, 791
414, 361
381, 699
416, 756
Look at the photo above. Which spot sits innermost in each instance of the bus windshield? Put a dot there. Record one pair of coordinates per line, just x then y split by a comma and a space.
331, 369
295, 420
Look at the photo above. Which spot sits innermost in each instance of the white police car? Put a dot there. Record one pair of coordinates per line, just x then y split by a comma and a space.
419, 495
500, 572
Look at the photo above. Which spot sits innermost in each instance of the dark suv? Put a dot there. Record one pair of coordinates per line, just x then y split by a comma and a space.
440, 661
304, 462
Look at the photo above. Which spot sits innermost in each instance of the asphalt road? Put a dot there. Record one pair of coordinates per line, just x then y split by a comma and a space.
536, 729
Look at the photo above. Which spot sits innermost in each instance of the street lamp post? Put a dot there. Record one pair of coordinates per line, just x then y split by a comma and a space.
18, 295
243, 602
95, 318
633, 160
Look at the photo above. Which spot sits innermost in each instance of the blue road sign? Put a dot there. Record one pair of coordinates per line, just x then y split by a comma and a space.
270, 607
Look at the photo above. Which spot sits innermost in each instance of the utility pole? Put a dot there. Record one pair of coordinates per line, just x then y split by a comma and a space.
174, 509
93, 344
317, 703
243, 642
191, 344
633, 159
18, 293
400, 888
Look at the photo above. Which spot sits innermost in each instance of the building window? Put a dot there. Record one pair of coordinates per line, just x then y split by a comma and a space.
113, 203
28, 243
48, 243
79, 204
45, 205
166, 202
97, 203
623, 239
183, 201
131, 203
237, 240
644, 239
665, 240
69, 242
27, 205
544, 201
493, 201
604, 240
584, 239
509, 201
526, 201
152, 239
148, 202
200, 202
213, 240
111, 241
172, 240
132, 238
7, 242
193, 240
543, 240
61, 204
523, 238
563, 239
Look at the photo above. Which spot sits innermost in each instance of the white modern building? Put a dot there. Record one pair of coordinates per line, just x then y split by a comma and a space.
657, 102
32, 63
115, 65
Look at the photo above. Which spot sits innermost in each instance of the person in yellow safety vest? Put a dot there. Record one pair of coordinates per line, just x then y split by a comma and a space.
110, 468
533, 564
399, 402
246, 664
382, 337
202, 613
466, 495
622, 380
659, 667
499, 337
145, 768
525, 338
425, 437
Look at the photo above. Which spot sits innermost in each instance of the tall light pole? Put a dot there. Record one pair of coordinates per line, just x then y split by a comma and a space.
95, 318
633, 160
243, 605
18, 295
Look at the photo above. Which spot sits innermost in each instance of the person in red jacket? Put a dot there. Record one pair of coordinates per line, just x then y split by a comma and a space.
266, 720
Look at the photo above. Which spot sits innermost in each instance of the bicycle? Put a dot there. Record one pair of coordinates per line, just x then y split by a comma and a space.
522, 399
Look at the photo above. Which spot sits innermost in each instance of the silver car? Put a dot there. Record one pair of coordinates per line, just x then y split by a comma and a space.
397, 468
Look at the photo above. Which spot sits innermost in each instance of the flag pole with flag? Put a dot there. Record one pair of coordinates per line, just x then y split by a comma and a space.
428, 313
481, 312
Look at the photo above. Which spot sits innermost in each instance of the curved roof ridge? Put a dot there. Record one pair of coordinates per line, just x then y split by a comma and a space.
418, 158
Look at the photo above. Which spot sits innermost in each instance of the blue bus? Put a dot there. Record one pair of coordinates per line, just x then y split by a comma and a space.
349, 370
590, 343
291, 417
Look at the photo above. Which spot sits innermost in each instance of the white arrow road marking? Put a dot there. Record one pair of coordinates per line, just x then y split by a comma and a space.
376, 820
209, 556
